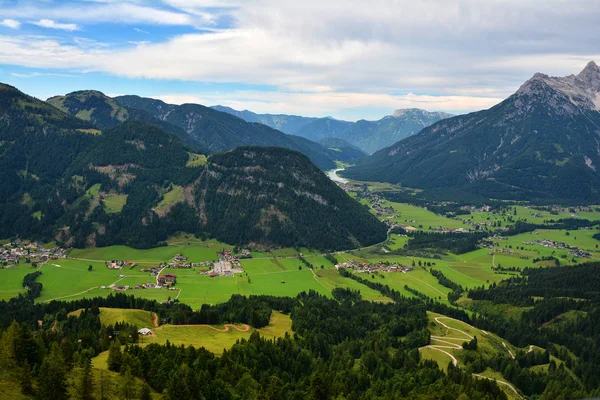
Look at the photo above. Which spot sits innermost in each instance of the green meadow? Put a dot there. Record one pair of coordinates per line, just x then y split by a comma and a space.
114, 203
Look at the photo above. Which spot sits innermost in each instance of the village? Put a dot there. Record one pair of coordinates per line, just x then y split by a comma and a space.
367, 268
32, 252
227, 265
573, 251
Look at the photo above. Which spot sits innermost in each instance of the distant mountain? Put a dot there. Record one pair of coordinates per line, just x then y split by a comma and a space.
218, 131
375, 135
105, 113
369, 136
61, 179
540, 143
325, 127
351, 152
289, 124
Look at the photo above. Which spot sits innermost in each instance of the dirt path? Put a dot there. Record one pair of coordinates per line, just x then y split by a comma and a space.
455, 346
243, 328
500, 382
437, 319
509, 352
155, 320
317, 279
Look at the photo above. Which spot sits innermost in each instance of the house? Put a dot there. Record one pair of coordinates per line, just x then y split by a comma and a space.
145, 331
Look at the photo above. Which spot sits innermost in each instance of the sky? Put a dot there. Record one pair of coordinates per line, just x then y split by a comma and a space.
341, 58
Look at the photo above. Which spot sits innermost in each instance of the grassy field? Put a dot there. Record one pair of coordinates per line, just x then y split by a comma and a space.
196, 160
420, 218
114, 203
214, 340
196, 251
530, 215
170, 198
110, 316
11, 280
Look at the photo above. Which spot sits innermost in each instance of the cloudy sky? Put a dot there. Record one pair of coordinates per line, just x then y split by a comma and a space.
344, 58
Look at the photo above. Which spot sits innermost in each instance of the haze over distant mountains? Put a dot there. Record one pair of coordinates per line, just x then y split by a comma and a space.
542, 142
369, 136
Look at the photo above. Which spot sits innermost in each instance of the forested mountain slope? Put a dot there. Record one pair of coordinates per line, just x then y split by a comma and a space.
57, 171
540, 143
105, 113
219, 131
277, 196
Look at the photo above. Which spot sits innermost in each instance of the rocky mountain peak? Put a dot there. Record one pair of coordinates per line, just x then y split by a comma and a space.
582, 90
590, 76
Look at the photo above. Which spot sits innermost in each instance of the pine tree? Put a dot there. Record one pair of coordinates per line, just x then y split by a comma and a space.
127, 386
145, 393
52, 377
178, 388
25, 379
85, 382
115, 356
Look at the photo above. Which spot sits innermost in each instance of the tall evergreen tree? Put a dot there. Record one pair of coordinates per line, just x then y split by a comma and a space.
115, 356
52, 383
85, 382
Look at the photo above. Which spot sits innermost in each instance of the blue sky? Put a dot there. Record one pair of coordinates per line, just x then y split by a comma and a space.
343, 58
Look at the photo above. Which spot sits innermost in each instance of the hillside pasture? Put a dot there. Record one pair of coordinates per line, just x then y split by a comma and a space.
114, 203
213, 338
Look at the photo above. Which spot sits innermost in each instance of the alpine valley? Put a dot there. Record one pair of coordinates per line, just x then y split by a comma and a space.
181, 252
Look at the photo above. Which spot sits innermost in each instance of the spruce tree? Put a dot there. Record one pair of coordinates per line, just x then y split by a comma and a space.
115, 356
52, 377
85, 382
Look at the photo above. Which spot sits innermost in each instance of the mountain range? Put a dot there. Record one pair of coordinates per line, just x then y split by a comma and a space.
369, 136
542, 142
65, 178
203, 128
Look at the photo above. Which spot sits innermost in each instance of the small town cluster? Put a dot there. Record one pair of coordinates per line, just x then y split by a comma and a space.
227, 265
573, 251
32, 252
362, 267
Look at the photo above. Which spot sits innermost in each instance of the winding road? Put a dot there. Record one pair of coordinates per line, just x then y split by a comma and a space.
458, 346
241, 328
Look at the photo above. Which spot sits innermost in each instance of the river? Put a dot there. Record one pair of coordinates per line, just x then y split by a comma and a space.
332, 174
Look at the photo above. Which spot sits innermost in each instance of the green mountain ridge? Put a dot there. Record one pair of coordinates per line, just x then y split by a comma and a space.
540, 143
105, 113
57, 170
219, 131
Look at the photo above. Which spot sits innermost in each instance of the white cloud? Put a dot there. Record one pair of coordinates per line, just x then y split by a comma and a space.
51, 24
101, 12
11, 23
340, 52
38, 74
329, 103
